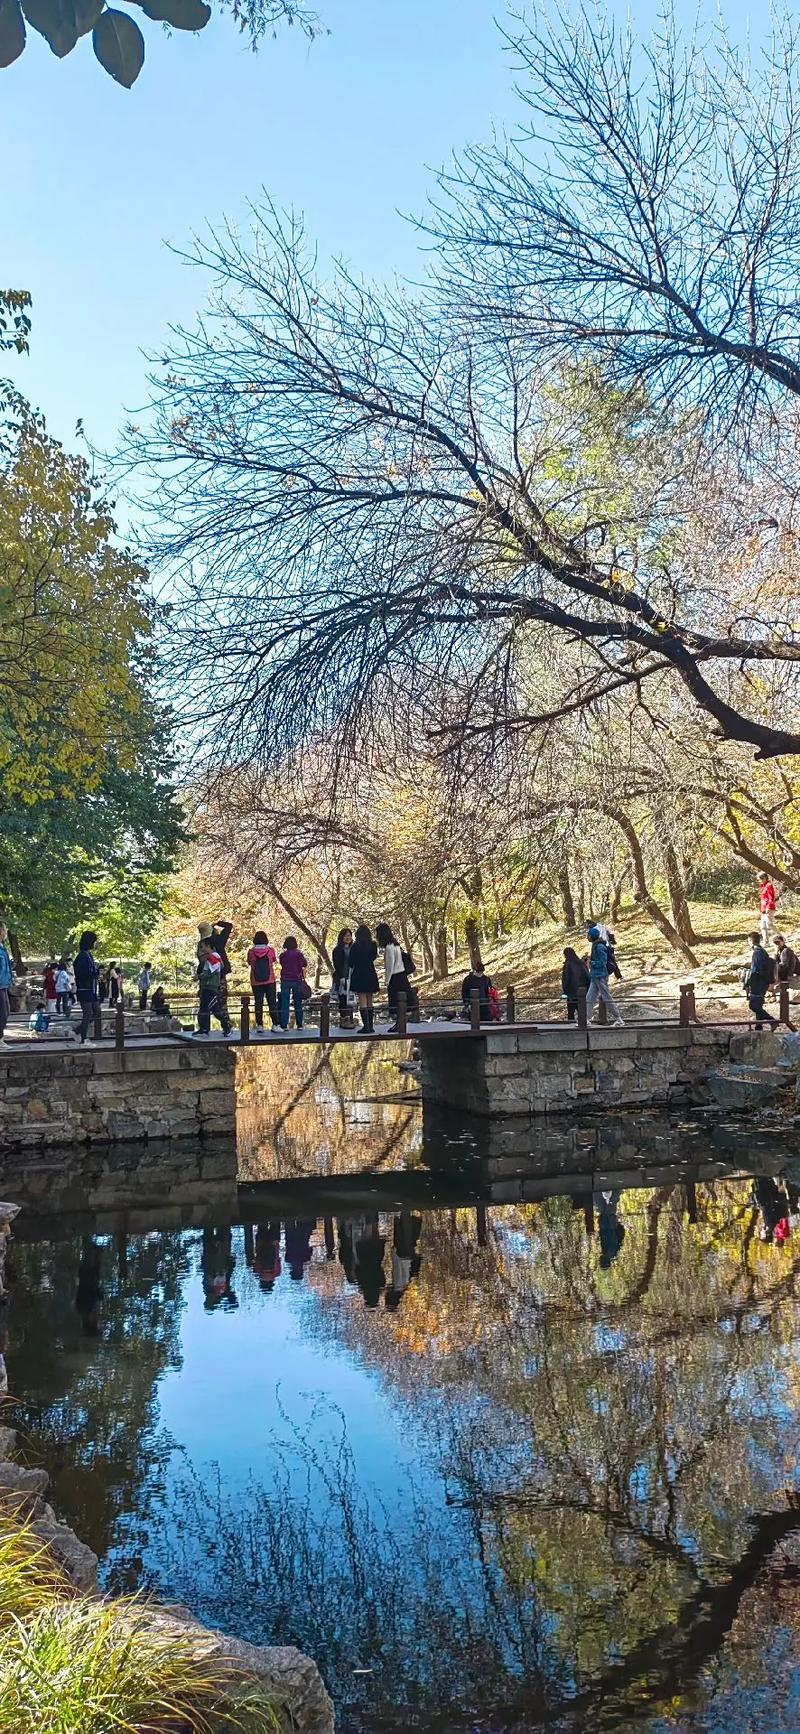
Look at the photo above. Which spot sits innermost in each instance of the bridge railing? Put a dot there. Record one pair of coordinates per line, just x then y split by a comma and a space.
408, 1016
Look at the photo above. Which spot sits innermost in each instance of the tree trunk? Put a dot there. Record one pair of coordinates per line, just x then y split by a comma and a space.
473, 942
642, 894
440, 963
454, 942
567, 903
297, 921
677, 896
427, 954
616, 899
20, 968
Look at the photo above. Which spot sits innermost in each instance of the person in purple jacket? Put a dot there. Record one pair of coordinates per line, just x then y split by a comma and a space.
293, 976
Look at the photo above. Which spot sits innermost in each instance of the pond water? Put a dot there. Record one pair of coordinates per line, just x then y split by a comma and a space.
500, 1451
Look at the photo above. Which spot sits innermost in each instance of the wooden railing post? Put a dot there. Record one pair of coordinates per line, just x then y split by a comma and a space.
582, 1019
683, 1009
474, 1010
602, 1012
783, 1003
402, 1014
511, 1007
325, 1017
98, 1021
244, 1021
119, 1026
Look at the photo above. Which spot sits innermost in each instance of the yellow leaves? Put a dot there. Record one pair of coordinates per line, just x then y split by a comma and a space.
73, 608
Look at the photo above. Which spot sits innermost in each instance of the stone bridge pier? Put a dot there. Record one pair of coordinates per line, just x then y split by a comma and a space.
559, 1069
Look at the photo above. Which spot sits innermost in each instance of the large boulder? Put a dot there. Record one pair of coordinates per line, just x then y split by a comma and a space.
746, 1087
291, 1681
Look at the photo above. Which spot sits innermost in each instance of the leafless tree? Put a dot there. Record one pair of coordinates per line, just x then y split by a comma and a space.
365, 518
647, 210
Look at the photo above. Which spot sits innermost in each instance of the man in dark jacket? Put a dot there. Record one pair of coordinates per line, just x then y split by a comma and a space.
86, 973
574, 981
477, 982
760, 978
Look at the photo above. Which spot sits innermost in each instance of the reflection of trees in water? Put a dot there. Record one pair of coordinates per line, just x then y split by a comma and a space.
310, 1557
94, 1324
304, 1112
622, 1435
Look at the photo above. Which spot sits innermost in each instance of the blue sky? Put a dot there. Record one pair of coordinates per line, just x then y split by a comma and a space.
98, 179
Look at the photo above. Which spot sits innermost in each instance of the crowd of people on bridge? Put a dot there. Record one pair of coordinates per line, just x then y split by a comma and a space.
280, 988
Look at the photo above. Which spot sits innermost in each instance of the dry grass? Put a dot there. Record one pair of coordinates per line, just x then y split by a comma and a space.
652, 971
72, 1664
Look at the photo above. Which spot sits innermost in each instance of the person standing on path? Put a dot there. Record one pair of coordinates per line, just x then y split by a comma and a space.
767, 898
598, 978
394, 970
219, 933
261, 960
364, 976
143, 985
6, 982
760, 977
63, 988
293, 978
574, 981
341, 976
86, 973
50, 989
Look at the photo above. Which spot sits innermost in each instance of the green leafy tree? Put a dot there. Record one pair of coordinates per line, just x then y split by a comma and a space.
88, 816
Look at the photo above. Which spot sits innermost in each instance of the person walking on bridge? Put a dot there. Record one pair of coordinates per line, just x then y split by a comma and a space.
760, 977
598, 977
574, 981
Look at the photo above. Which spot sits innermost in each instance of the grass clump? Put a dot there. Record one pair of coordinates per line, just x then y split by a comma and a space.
74, 1664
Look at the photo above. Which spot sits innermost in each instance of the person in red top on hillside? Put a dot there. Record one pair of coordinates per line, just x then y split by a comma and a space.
767, 905
262, 959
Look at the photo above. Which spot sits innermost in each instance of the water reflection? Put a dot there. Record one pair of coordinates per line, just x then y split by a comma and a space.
499, 1465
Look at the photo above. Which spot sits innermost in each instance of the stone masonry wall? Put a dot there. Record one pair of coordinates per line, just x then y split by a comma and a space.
559, 1071
74, 1096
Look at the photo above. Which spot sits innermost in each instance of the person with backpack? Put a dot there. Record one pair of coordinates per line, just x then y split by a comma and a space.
786, 960
574, 981
262, 959
394, 970
598, 977
760, 976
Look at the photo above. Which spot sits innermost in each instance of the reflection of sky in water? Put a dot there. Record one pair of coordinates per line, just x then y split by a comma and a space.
241, 1369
